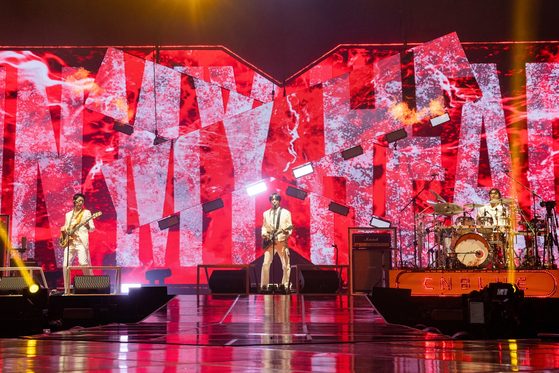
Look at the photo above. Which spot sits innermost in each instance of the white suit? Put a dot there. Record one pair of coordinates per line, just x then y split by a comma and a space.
279, 246
79, 243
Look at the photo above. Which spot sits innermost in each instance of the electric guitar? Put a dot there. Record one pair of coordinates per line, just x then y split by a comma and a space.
267, 242
65, 236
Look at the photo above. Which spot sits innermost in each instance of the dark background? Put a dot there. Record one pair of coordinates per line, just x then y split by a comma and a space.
279, 37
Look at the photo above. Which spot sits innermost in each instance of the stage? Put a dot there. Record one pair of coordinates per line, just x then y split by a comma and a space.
269, 333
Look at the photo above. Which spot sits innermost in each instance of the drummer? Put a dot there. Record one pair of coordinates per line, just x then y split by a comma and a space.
494, 210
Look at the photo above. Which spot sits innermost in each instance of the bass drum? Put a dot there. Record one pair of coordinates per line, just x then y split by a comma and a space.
472, 250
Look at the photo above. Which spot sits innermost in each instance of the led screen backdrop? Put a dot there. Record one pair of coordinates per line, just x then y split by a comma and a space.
228, 127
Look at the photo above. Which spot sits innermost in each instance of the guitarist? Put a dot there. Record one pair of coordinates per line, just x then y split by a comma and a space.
79, 241
277, 226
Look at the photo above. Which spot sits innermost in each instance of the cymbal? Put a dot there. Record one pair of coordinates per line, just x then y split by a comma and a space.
437, 197
473, 205
448, 209
501, 200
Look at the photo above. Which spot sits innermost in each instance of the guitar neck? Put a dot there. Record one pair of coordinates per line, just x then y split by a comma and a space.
74, 230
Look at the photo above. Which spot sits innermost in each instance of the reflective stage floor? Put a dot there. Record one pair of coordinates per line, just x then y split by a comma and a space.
271, 333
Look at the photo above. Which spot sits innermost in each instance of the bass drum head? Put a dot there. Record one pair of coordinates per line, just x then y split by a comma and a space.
472, 250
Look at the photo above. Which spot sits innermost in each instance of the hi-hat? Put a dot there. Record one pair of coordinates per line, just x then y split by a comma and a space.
473, 205
437, 197
431, 202
448, 209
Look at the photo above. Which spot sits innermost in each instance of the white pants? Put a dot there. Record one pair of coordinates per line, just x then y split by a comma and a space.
83, 259
281, 248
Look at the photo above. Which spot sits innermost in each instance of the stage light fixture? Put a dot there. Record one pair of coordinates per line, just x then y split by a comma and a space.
158, 275
439, 120
297, 193
168, 222
257, 188
396, 135
303, 170
212, 205
33, 288
123, 128
125, 288
379, 223
338, 209
158, 139
352, 152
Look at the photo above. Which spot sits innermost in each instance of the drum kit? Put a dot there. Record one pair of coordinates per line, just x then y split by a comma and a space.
463, 240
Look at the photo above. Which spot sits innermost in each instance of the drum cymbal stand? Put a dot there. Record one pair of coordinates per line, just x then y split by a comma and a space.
417, 255
439, 253
420, 234
497, 262
508, 239
551, 231
535, 237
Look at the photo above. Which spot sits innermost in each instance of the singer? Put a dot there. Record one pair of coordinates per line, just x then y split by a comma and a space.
78, 242
276, 228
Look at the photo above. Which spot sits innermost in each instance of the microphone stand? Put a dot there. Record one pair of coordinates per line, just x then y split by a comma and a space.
553, 232
272, 263
67, 248
413, 200
534, 229
551, 236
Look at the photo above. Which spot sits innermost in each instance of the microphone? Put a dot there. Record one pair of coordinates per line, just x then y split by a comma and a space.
433, 175
507, 171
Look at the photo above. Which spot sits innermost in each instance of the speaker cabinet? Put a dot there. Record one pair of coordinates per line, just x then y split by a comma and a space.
367, 269
228, 281
92, 284
12, 285
319, 281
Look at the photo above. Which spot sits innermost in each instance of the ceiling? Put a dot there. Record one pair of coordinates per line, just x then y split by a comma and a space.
279, 37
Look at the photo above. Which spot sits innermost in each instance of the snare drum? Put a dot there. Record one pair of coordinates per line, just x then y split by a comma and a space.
464, 221
472, 250
485, 220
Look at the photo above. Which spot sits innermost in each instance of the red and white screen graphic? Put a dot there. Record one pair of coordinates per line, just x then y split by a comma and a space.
65, 111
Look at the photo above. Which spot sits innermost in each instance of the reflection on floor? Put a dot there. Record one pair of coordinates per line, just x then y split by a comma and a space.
269, 333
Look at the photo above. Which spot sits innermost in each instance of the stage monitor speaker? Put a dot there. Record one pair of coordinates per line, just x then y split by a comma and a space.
319, 281
228, 281
367, 269
12, 285
92, 284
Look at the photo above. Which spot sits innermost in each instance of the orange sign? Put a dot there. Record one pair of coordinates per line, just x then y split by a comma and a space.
535, 283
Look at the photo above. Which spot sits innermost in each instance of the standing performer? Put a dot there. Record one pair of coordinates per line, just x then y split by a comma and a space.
277, 227
79, 241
